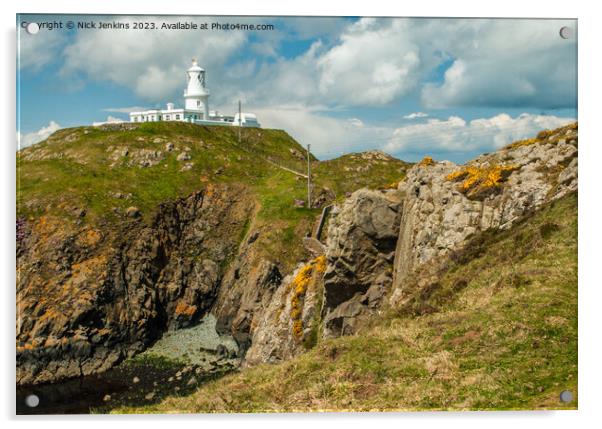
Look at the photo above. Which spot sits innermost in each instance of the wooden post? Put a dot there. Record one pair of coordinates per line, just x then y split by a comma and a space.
308, 178
239, 121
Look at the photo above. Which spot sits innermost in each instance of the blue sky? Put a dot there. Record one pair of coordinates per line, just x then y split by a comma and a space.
449, 88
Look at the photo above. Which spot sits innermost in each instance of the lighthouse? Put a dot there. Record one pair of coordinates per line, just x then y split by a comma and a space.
196, 106
196, 95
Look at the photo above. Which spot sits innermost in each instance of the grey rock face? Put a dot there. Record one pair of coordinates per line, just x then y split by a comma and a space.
377, 239
146, 157
360, 250
246, 290
273, 339
437, 217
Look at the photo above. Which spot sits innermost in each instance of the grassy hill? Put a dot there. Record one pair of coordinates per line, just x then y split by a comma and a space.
498, 331
93, 174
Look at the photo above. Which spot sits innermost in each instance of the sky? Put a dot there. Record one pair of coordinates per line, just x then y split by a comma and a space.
447, 88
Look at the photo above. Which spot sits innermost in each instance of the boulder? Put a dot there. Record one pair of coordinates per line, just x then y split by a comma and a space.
359, 251
247, 289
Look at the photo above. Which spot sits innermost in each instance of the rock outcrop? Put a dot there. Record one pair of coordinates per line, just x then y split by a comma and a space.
287, 324
359, 251
87, 298
444, 204
247, 288
378, 239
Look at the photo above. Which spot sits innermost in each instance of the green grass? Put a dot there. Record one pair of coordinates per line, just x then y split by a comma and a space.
83, 177
505, 340
349, 173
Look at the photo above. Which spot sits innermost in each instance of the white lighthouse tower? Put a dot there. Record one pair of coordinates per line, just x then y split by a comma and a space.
196, 96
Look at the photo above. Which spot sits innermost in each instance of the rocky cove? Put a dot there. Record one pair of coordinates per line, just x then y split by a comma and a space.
192, 290
176, 364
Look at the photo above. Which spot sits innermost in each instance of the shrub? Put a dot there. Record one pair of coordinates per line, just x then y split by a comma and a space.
427, 161
481, 181
299, 286
547, 229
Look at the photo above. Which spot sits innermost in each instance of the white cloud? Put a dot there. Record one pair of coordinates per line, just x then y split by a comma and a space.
376, 61
416, 115
369, 62
329, 137
150, 62
372, 65
506, 63
24, 140
455, 135
37, 50
110, 120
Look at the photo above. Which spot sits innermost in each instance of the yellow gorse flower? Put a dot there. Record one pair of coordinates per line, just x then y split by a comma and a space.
426, 162
299, 286
478, 179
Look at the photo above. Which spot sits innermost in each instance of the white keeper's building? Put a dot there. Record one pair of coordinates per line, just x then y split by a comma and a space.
196, 106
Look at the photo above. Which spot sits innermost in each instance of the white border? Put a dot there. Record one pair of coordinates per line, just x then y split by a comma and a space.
590, 285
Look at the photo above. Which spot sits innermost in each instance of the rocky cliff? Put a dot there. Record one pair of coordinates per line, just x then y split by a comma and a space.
125, 232
377, 239
98, 283
437, 209
445, 204
87, 298
360, 250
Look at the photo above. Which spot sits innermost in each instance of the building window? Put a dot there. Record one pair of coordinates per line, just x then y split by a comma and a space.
177, 117
168, 117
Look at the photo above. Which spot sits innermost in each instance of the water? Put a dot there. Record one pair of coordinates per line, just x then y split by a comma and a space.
175, 365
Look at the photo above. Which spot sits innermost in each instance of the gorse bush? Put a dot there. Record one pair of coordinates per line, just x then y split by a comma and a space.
427, 161
299, 286
477, 182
